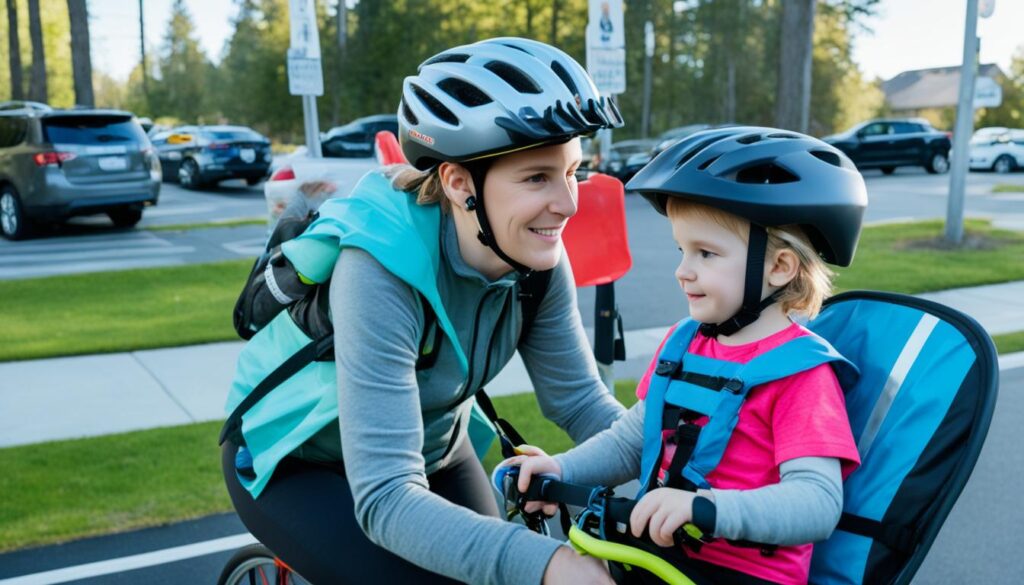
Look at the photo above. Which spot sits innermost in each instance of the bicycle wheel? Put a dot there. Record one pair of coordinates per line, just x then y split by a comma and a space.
255, 564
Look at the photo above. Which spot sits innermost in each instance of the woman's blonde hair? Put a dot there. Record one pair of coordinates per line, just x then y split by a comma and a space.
426, 184
813, 281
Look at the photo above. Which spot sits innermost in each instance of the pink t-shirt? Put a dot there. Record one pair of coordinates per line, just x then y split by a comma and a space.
803, 415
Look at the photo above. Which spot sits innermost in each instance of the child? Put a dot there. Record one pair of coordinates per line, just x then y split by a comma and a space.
755, 212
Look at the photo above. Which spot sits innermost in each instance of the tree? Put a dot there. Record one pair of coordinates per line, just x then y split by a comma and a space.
1011, 112
14, 51
37, 81
184, 72
793, 96
81, 61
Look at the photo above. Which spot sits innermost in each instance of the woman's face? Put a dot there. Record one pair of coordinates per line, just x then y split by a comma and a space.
530, 195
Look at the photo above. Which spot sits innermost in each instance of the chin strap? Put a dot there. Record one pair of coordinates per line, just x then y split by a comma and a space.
478, 172
753, 304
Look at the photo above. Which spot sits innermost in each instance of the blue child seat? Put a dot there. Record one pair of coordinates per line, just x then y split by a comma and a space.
919, 413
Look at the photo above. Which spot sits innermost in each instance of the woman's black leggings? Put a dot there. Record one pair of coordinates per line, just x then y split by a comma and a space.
306, 516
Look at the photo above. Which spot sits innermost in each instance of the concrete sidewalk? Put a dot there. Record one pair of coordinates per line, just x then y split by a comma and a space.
62, 398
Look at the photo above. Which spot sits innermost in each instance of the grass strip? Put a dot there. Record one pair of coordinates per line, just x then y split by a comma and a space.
1008, 188
180, 227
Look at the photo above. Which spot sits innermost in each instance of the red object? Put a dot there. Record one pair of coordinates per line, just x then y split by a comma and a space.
596, 238
52, 158
218, 146
388, 150
283, 174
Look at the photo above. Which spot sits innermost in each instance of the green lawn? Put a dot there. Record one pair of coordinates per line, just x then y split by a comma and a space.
1009, 342
54, 492
180, 227
119, 311
166, 307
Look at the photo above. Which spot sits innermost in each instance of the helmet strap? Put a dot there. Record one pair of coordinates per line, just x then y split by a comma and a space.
753, 304
478, 172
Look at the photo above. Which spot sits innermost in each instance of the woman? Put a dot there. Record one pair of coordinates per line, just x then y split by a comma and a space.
491, 131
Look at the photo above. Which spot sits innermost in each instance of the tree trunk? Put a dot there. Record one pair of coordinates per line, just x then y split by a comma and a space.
793, 98
37, 83
554, 22
335, 75
14, 51
81, 60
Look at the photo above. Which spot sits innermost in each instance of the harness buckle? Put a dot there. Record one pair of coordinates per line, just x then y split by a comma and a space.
733, 385
667, 368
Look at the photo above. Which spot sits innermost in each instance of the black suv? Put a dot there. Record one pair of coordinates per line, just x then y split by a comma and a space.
198, 155
55, 164
357, 138
890, 143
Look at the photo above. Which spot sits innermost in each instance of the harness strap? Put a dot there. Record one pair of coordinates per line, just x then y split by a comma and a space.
895, 536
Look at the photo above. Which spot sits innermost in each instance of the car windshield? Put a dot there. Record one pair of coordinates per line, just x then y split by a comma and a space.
236, 136
92, 130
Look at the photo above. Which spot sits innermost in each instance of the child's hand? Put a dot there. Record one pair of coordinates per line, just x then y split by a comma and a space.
665, 510
534, 461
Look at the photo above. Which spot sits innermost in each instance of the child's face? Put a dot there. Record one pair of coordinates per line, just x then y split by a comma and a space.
712, 269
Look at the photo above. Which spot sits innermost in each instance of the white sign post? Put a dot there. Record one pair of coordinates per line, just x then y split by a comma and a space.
987, 93
305, 74
606, 55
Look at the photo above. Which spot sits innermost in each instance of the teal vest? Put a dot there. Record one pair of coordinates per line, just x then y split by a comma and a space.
716, 389
402, 236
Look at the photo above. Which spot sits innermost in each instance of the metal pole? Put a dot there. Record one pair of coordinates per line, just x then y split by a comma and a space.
963, 129
312, 126
645, 121
604, 332
142, 45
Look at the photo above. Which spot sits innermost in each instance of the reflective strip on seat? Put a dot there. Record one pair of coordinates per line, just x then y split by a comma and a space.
895, 381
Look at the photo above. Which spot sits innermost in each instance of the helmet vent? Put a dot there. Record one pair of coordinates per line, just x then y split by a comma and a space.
407, 112
782, 135
562, 74
829, 157
435, 106
765, 174
467, 94
696, 150
447, 58
513, 76
749, 139
707, 163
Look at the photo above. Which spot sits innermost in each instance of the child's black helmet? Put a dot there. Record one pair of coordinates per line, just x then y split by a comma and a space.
768, 176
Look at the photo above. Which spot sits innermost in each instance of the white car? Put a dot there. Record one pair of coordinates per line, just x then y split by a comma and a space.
291, 171
997, 149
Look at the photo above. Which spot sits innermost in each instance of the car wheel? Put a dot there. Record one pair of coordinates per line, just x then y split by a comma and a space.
188, 174
13, 223
1003, 165
125, 217
888, 170
938, 163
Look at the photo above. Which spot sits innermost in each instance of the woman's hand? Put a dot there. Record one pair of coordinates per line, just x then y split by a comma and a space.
664, 510
534, 461
568, 566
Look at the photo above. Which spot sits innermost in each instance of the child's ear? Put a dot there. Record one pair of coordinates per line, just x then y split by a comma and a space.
783, 267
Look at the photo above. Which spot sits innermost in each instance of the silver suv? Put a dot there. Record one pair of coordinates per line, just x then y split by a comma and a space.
55, 164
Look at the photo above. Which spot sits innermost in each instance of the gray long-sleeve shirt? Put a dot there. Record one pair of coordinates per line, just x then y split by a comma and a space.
396, 423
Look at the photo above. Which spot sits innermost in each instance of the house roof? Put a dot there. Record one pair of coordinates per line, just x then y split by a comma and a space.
930, 88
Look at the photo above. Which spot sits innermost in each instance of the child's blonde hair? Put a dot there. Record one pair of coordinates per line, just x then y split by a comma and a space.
813, 281
426, 184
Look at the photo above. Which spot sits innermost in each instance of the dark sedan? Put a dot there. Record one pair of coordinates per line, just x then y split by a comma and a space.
888, 144
356, 139
199, 155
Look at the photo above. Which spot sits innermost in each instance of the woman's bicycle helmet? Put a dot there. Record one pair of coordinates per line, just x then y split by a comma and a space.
769, 177
475, 102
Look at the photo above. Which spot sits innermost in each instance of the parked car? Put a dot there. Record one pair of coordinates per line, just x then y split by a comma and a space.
55, 164
196, 156
619, 154
674, 135
996, 149
891, 143
355, 139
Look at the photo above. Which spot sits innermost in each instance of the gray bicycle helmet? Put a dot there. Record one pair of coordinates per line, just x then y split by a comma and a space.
494, 97
771, 178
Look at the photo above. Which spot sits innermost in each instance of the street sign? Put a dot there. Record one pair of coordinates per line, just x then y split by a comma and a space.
606, 46
987, 93
305, 76
305, 37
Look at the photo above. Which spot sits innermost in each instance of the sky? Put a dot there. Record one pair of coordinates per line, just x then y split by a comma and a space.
906, 34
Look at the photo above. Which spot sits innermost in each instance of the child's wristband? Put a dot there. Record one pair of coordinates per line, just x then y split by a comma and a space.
704, 514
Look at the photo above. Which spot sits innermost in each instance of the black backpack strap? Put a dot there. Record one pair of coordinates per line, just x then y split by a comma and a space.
430, 340
532, 289
298, 360
507, 434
